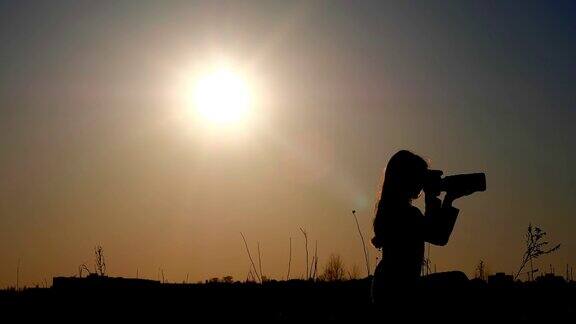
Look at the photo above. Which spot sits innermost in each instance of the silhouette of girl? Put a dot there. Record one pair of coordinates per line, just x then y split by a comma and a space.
401, 230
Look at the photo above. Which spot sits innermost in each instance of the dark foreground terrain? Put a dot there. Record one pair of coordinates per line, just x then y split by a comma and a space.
547, 300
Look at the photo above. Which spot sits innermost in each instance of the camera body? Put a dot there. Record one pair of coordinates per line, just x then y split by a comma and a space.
465, 184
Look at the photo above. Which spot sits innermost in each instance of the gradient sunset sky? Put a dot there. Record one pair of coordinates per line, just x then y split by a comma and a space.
99, 143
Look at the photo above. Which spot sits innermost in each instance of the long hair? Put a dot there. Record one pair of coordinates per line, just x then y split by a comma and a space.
403, 180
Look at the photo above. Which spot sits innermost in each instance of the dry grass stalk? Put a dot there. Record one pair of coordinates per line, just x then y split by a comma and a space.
18, 275
289, 260
260, 261
306, 245
250, 257
314, 274
535, 247
363, 243
354, 272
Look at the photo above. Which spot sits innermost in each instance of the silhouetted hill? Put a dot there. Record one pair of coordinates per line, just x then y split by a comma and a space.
546, 300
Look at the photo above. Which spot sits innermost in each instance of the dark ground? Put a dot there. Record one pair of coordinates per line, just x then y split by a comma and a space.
549, 300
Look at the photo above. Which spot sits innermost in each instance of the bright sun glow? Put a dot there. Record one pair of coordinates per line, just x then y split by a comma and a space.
222, 97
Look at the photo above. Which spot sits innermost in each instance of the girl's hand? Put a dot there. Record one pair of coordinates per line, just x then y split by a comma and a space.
451, 196
448, 199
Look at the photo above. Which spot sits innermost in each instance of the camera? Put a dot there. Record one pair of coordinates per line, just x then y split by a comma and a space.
465, 184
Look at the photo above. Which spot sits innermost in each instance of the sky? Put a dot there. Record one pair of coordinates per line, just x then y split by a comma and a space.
99, 144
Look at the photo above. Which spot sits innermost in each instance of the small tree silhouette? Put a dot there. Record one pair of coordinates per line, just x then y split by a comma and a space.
82, 268
334, 269
535, 247
480, 271
99, 262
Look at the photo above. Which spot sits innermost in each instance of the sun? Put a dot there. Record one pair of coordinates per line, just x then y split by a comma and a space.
222, 97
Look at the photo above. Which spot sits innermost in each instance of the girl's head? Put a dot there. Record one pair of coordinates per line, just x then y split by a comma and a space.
404, 178
403, 181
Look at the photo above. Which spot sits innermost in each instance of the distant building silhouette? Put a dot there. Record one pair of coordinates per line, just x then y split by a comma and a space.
550, 279
96, 281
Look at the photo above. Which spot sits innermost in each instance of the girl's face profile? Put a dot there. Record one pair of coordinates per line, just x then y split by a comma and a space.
417, 183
